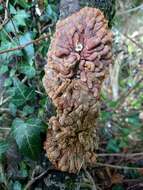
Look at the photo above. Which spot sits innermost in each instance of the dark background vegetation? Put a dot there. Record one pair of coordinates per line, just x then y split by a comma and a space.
26, 28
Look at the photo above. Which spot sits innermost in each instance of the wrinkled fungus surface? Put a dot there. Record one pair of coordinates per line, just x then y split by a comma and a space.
78, 62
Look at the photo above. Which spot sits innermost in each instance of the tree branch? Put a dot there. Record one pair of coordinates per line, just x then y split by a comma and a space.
124, 155
24, 45
118, 166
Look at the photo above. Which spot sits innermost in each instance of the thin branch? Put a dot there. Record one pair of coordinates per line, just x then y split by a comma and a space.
5, 128
3, 101
24, 45
118, 166
11, 19
6, 10
130, 10
130, 155
1, 27
133, 41
33, 180
5, 20
91, 179
122, 99
3, 23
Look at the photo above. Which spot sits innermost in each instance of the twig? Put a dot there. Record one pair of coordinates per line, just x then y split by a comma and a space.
1, 27
114, 76
11, 19
91, 179
5, 128
4, 110
24, 45
120, 154
32, 181
122, 99
3, 101
130, 10
133, 41
4, 22
6, 10
118, 167
133, 180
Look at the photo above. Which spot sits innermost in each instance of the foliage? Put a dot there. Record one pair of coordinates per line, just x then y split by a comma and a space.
23, 71
27, 136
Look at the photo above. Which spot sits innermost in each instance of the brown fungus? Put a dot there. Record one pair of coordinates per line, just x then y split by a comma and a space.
78, 62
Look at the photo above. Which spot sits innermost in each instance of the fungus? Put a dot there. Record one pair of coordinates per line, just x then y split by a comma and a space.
78, 61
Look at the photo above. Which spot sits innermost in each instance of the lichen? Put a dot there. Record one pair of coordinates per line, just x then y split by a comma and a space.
78, 61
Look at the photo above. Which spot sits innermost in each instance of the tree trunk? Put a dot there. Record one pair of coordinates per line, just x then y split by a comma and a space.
67, 7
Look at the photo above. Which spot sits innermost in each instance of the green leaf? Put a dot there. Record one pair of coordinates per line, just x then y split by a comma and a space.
17, 186
112, 146
3, 147
28, 110
28, 70
27, 37
1, 8
12, 10
12, 72
105, 116
21, 93
11, 26
134, 121
3, 69
20, 17
27, 136
22, 3
51, 12
118, 187
23, 169
7, 82
12, 108
7, 45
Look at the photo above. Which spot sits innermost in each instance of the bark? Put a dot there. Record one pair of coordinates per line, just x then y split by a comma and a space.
67, 7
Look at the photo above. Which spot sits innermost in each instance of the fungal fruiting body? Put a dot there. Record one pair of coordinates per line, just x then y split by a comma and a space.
78, 61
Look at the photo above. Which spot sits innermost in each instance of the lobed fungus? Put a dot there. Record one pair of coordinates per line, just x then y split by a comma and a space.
78, 62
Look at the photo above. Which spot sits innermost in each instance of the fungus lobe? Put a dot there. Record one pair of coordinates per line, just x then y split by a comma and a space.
78, 61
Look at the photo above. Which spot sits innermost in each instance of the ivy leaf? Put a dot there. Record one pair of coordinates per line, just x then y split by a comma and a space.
6, 45
134, 121
21, 93
28, 49
28, 70
112, 146
27, 110
20, 17
27, 136
3, 69
105, 116
17, 185
3, 147
12, 10
22, 3
11, 26
51, 12
118, 187
12, 108
7, 82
